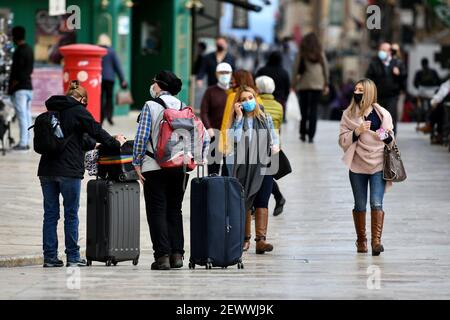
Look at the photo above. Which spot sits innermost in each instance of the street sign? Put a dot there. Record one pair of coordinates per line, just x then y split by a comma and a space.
240, 17
56, 7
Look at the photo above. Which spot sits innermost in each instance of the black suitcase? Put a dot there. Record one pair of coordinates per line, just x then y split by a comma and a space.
117, 166
217, 222
112, 222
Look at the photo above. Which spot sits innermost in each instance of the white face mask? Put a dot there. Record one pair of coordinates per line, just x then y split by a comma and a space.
153, 94
224, 79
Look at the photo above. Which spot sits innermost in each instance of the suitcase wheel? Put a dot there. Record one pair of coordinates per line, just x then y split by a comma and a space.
89, 263
240, 265
114, 263
108, 263
208, 265
135, 261
191, 265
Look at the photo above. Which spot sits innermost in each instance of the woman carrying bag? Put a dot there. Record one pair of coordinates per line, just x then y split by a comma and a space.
365, 129
255, 140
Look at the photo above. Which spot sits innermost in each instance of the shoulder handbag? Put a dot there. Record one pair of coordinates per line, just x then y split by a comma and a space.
124, 97
284, 166
393, 169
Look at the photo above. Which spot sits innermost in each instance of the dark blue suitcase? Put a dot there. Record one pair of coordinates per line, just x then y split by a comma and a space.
217, 222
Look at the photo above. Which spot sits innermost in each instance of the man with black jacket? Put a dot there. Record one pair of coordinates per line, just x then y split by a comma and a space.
62, 173
20, 86
275, 70
211, 60
389, 75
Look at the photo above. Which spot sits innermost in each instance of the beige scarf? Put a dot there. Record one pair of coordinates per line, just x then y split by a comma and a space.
366, 154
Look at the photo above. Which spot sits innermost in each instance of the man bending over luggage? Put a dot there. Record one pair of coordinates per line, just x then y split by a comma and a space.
163, 188
61, 172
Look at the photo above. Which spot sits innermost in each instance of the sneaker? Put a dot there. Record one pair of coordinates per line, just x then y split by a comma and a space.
53, 263
21, 148
161, 263
176, 260
279, 207
77, 263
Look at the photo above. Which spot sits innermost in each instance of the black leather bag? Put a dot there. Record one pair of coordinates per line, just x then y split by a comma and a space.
284, 167
393, 169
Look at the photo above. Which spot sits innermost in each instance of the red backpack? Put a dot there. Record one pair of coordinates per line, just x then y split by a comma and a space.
180, 138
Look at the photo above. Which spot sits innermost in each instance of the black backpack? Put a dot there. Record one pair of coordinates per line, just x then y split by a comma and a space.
46, 140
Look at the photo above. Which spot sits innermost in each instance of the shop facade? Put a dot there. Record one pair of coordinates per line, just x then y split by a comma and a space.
147, 36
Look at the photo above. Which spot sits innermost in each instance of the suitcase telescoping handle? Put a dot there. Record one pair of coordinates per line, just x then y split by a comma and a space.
198, 170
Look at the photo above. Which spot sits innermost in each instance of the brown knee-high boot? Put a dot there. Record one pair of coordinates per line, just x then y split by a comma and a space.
377, 220
248, 230
359, 218
261, 221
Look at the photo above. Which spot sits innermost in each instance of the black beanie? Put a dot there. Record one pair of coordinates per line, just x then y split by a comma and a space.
168, 81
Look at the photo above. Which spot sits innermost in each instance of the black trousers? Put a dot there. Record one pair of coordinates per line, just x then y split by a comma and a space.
163, 191
263, 195
437, 119
309, 102
107, 100
276, 191
390, 104
214, 168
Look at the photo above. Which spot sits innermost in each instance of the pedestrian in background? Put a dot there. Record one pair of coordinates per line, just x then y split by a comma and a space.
62, 173
366, 127
110, 68
389, 75
211, 60
266, 86
212, 109
20, 86
426, 81
288, 53
311, 80
437, 118
275, 70
201, 49
255, 138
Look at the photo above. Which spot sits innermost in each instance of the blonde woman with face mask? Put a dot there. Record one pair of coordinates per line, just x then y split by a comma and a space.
254, 137
366, 127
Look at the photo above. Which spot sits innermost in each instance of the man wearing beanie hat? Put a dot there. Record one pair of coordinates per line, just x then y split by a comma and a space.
212, 109
163, 189
168, 81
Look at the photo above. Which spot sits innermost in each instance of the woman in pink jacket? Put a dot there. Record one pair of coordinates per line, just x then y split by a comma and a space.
365, 129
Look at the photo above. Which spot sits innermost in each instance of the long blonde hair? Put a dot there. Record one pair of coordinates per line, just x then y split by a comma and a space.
369, 98
77, 91
257, 112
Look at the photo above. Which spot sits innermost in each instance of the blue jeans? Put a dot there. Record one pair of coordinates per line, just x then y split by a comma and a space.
22, 104
359, 184
70, 189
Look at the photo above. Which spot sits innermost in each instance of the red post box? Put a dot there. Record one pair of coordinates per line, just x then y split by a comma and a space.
83, 62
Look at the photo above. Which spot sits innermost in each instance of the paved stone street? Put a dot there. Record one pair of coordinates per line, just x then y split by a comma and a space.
314, 256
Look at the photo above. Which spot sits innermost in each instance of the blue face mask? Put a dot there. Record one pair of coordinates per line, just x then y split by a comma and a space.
224, 79
382, 55
249, 105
